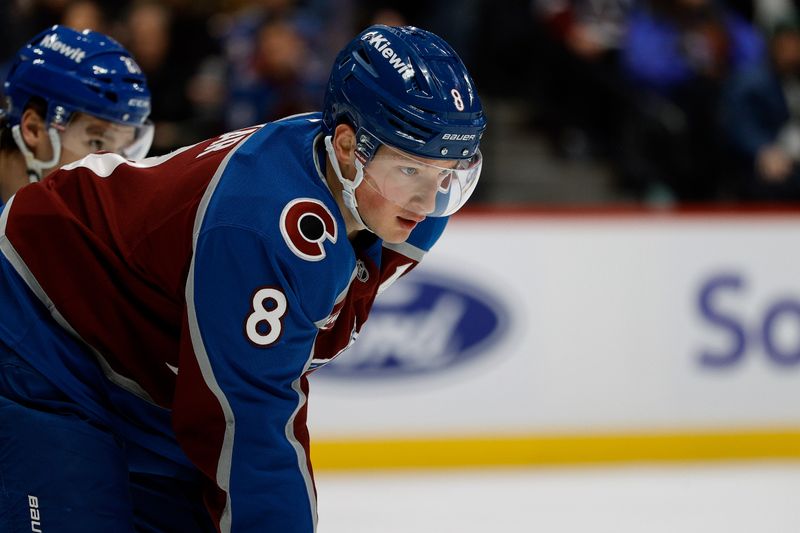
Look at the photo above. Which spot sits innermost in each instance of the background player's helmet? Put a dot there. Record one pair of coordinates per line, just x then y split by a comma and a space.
84, 71
406, 88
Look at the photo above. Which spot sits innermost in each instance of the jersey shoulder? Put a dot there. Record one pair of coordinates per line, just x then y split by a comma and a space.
273, 186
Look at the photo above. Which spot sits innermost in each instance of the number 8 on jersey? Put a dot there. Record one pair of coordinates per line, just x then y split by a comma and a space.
269, 306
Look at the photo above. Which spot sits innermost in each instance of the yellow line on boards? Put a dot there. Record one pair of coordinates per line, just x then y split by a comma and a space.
553, 450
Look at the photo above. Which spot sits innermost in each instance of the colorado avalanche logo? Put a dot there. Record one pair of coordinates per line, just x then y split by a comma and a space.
305, 224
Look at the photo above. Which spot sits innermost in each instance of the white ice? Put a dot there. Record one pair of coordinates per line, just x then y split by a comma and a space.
760, 497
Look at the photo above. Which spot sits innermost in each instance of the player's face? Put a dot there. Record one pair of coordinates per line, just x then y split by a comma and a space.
86, 134
410, 182
389, 221
399, 190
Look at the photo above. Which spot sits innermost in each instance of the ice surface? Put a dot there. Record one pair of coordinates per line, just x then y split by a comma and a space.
702, 498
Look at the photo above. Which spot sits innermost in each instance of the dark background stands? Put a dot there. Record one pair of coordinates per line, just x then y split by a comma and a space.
590, 101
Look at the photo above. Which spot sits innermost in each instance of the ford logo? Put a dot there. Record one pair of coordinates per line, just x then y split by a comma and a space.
424, 323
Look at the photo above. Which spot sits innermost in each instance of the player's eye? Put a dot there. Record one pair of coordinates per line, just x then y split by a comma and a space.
409, 171
97, 145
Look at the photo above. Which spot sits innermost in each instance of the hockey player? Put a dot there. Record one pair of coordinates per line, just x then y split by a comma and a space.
158, 319
68, 94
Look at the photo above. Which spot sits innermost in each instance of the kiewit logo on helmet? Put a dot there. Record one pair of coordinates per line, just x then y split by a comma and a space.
383, 45
74, 53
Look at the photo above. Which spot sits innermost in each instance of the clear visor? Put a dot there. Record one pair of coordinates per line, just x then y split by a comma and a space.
427, 187
86, 134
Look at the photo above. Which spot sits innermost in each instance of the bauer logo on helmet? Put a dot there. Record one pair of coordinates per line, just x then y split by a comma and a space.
457, 137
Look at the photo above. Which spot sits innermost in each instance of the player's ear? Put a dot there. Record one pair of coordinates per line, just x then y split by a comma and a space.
33, 130
344, 145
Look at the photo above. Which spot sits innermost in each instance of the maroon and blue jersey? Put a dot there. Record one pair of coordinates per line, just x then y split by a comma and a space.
184, 299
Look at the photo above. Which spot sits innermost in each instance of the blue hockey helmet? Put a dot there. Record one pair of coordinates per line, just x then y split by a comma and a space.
80, 71
406, 88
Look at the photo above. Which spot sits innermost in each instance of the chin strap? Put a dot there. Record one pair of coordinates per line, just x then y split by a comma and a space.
35, 166
348, 186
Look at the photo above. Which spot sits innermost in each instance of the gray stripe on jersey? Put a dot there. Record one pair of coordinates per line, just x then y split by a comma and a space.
226, 453
103, 165
317, 162
225, 458
302, 460
408, 250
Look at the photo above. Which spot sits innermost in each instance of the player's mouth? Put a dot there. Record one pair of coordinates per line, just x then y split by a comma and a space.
409, 223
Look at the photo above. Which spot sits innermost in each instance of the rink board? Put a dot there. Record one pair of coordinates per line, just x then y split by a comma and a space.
539, 338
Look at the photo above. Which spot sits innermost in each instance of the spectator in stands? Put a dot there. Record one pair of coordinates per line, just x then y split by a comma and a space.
583, 89
84, 15
275, 69
158, 40
761, 120
677, 55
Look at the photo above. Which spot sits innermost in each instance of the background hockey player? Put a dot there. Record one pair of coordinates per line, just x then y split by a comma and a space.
158, 319
69, 94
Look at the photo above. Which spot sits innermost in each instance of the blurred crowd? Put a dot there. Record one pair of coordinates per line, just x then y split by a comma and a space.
686, 100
